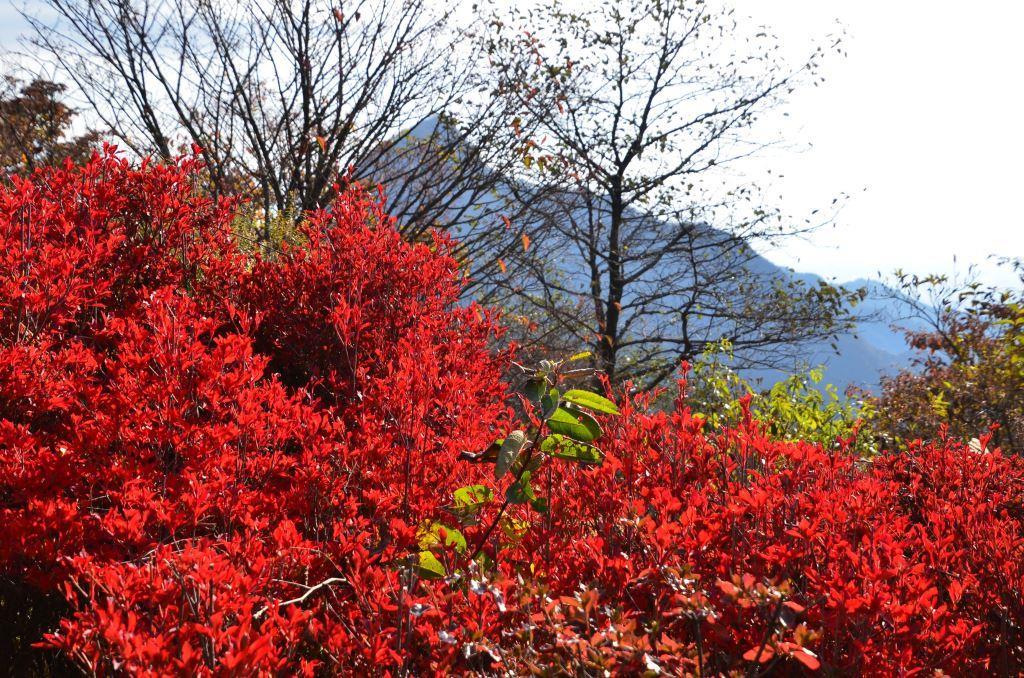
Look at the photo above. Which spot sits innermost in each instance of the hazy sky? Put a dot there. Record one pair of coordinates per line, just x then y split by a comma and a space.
919, 124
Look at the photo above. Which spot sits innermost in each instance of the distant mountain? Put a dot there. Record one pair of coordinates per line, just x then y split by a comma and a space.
876, 347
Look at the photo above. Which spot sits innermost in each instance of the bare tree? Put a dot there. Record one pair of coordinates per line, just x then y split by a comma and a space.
289, 97
641, 103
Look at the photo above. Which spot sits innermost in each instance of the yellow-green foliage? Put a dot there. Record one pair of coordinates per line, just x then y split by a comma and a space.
799, 407
802, 408
257, 231
714, 388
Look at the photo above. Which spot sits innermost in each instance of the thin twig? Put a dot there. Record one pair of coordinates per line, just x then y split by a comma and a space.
309, 592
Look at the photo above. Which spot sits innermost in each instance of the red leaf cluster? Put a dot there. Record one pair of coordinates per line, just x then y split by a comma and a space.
225, 466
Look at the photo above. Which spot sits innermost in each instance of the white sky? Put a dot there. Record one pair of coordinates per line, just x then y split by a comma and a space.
919, 124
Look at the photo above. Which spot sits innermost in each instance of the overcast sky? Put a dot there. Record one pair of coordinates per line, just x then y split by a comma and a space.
919, 124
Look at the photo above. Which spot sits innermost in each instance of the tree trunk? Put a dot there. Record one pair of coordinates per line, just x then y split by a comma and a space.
608, 344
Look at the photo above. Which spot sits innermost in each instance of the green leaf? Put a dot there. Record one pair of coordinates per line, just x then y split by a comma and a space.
429, 567
534, 389
564, 447
509, 452
540, 505
472, 497
429, 535
520, 492
591, 401
468, 502
578, 425
549, 403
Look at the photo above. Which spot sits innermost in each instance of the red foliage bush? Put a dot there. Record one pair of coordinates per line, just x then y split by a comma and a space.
227, 466
766, 550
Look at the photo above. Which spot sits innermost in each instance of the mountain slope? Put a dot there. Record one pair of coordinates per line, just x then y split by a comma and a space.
876, 347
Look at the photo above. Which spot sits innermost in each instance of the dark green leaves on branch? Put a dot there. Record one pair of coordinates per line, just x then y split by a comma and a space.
565, 422
535, 389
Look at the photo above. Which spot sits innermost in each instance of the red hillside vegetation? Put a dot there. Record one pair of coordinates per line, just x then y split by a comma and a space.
234, 466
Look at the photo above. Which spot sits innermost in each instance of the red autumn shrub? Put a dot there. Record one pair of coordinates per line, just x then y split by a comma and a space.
240, 467
696, 552
155, 465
